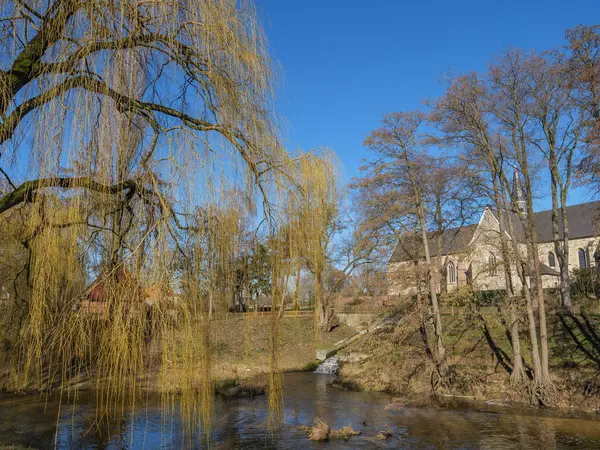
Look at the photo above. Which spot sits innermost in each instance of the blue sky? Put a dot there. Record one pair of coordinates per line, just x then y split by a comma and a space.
347, 63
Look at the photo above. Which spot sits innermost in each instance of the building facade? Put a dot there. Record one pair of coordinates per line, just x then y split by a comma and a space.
472, 254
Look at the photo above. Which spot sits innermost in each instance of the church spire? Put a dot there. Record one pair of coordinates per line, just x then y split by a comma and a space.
517, 194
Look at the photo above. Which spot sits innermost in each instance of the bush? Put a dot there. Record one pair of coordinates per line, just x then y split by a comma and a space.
584, 282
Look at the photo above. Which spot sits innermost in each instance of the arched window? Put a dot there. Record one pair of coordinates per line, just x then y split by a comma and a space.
551, 260
492, 264
583, 262
451, 273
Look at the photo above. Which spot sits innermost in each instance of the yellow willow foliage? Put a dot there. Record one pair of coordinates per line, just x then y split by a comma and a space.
297, 241
275, 380
311, 214
141, 144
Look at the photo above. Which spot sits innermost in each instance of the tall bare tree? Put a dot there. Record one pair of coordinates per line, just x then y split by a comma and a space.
557, 128
511, 84
463, 116
398, 151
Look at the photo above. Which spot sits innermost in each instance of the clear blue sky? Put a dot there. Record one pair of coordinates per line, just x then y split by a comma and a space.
347, 63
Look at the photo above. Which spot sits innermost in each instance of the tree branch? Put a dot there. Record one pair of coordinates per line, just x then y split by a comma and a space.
26, 192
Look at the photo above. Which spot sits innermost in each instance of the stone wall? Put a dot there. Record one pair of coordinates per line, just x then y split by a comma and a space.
588, 245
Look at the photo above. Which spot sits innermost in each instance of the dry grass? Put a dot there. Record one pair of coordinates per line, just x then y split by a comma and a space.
385, 434
241, 353
320, 431
343, 433
394, 361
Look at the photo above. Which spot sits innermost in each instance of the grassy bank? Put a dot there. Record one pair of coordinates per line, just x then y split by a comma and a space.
240, 357
395, 360
241, 353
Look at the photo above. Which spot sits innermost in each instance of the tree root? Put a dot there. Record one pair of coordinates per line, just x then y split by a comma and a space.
541, 394
439, 382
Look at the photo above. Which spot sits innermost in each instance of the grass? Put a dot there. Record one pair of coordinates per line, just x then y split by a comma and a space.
242, 344
320, 431
241, 353
394, 361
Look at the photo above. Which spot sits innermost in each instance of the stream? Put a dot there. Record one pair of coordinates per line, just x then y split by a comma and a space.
30, 422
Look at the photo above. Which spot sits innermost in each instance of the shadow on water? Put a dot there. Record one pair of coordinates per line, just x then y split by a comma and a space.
242, 423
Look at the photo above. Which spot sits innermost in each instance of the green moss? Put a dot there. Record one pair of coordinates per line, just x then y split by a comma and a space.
311, 366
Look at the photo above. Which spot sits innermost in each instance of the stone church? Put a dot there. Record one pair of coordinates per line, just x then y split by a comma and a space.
471, 254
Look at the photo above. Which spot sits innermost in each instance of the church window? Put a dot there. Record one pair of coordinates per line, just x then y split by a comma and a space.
451, 273
492, 264
551, 260
583, 262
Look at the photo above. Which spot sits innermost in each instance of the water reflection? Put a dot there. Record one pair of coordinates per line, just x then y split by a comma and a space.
242, 423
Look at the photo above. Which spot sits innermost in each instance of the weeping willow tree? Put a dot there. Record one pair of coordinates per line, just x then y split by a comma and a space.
136, 140
311, 214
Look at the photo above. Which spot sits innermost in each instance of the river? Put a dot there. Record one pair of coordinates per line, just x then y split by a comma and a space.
30, 421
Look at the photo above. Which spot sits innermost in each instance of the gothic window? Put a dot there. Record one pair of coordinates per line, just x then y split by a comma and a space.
492, 264
451, 273
551, 260
583, 262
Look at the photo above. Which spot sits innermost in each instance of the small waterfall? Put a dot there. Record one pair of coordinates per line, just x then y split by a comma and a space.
330, 365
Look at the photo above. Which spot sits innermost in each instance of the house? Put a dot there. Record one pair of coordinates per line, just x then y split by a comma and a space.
98, 294
472, 254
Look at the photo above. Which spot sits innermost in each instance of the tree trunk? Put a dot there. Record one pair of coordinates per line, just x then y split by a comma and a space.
531, 234
541, 307
295, 304
561, 246
565, 280
442, 364
517, 374
324, 316
535, 353
441, 266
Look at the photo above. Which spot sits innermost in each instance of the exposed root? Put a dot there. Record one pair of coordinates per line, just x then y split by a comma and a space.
447, 381
541, 394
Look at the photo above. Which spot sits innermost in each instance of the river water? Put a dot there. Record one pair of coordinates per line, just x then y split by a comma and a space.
242, 423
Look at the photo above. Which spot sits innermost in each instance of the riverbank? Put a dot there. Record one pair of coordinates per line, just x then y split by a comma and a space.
241, 353
387, 360
393, 360
240, 357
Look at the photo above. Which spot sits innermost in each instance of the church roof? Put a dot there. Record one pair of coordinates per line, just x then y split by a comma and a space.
583, 222
454, 240
547, 270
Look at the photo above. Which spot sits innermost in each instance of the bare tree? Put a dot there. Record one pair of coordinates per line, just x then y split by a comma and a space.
398, 152
512, 85
451, 201
464, 119
583, 64
557, 128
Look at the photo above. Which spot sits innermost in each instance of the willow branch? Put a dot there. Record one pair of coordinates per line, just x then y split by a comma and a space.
26, 192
